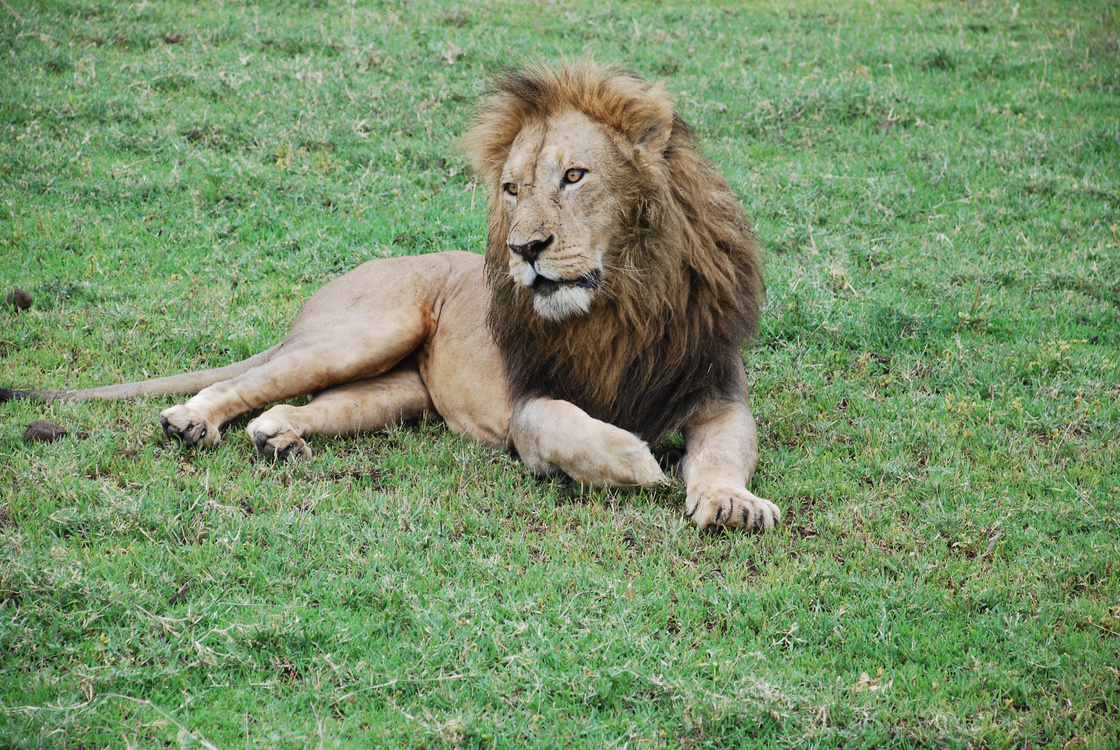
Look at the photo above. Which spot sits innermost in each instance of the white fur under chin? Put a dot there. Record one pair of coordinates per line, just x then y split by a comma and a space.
562, 303
558, 305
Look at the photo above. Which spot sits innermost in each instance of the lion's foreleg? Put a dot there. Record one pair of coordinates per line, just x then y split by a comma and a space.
552, 435
722, 450
395, 397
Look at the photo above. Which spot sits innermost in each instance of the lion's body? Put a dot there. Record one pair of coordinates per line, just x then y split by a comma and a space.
620, 281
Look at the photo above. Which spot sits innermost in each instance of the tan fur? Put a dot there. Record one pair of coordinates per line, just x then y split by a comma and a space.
620, 280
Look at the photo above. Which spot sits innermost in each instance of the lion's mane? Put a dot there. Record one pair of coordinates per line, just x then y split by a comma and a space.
683, 282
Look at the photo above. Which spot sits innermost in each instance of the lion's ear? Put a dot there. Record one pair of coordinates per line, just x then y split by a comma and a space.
651, 129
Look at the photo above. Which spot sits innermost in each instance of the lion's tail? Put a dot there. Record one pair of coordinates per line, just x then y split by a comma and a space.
187, 383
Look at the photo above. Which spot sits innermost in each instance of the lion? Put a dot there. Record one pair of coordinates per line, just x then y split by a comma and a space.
620, 281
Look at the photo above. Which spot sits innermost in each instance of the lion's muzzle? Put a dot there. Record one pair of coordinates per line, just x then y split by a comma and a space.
531, 249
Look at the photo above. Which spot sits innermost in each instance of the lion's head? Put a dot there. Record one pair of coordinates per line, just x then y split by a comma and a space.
559, 196
623, 274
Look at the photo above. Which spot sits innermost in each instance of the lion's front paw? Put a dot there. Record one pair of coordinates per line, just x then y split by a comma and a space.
181, 423
633, 465
619, 460
730, 506
274, 439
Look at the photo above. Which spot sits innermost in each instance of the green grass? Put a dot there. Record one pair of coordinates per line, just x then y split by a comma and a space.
936, 382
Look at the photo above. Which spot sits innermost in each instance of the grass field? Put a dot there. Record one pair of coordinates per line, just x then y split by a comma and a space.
936, 381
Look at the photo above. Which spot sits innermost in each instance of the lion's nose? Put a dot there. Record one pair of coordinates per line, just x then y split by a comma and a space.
532, 249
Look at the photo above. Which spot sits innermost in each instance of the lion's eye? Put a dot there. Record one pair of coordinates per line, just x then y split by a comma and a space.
574, 175
510, 187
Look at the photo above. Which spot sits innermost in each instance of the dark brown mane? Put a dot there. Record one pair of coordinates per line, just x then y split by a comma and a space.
684, 282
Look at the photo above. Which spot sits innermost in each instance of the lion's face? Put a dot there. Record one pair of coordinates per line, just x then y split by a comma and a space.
556, 191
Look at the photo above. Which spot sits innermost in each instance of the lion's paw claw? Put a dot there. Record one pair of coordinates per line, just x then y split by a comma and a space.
731, 507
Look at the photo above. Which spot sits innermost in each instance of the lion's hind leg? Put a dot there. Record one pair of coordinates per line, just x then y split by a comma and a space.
358, 327
397, 396
311, 362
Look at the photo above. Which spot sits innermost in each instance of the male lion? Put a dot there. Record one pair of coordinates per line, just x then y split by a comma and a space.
623, 279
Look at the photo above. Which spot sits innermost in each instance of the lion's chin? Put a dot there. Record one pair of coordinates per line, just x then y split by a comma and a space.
559, 299
562, 301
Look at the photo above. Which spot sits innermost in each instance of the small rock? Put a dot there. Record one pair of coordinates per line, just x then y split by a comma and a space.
43, 431
19, 299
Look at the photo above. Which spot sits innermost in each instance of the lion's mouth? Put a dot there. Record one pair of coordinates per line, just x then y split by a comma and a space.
545, 286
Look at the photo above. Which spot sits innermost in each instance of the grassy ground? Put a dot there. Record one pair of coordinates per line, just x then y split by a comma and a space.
936, 382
